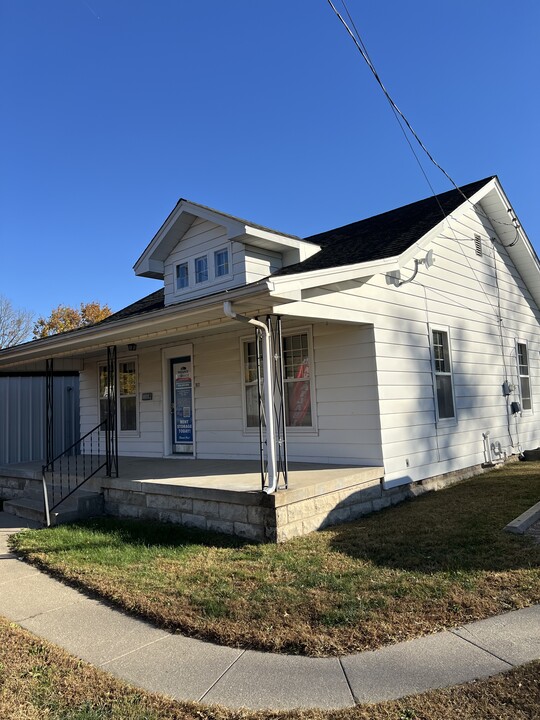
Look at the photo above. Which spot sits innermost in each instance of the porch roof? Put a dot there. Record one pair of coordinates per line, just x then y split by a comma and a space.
144, 321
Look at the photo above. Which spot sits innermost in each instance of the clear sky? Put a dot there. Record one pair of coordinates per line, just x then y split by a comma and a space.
113, 109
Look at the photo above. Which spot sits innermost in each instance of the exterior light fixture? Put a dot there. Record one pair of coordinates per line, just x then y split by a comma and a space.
132, 347
394, 278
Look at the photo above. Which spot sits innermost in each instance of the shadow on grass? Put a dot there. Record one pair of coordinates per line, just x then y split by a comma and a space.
456, 529
108, 532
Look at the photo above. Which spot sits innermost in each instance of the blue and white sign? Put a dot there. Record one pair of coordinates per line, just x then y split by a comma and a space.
183, 403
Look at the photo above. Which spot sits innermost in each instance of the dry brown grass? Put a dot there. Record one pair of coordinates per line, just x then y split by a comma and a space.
436, 562
38, 681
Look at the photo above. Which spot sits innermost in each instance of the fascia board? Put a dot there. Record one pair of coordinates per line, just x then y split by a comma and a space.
280, 242
316, 278
425, 241
160, 246
79, 340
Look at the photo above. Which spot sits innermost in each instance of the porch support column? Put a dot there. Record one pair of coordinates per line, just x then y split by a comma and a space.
49, 410
270, 424
111, 431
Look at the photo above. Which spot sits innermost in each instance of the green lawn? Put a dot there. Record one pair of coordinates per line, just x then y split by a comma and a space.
438, 561
39, 681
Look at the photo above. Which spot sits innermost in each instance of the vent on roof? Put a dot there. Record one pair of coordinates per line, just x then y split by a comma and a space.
478, 245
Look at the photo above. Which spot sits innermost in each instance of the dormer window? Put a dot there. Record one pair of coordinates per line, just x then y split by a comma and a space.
201, 269
221, 262
182, 276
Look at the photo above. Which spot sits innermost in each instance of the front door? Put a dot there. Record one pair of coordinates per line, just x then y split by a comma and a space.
182, 405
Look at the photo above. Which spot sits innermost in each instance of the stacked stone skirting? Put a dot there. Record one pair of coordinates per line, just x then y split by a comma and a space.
267, 518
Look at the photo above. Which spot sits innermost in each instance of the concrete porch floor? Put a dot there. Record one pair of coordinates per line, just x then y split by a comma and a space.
226, 495
227, 475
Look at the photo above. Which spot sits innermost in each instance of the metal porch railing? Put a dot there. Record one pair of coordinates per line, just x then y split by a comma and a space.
72, 468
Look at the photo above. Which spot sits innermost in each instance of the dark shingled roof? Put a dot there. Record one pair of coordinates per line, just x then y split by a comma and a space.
154, 301
381, 236
375, 238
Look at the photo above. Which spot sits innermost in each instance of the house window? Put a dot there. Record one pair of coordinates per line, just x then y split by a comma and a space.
201, 269
297, 382
221, 262
296, 371
250, 380
182, 276
524, 377
442, 371
127, 395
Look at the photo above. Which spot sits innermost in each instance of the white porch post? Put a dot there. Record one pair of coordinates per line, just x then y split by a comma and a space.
271, 449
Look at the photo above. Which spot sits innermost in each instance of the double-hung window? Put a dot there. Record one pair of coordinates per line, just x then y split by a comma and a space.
221, 262
297, 390
524, 376
182, 276
297, 377
442, 375
201, 269
127, 395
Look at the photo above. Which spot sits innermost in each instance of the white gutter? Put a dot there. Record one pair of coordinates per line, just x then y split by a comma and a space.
268, 399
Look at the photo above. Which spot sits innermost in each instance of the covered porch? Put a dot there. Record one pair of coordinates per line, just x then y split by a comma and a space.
224, 495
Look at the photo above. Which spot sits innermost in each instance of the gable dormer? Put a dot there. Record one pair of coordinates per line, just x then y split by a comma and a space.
199, 251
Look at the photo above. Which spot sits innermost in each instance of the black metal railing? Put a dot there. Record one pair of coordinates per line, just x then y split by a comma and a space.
67, 472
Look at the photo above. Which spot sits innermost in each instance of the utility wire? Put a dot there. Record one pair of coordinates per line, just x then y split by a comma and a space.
360, 46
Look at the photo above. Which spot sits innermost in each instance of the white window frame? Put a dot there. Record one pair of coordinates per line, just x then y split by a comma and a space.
184, 287
435, 373
291, 430
228, 273
123, 433
213, 277
195, 273
525, 411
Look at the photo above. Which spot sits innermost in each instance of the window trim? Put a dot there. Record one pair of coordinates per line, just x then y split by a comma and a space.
442, 422
291, 430
176, 268
223, 275
213, 277
126, 358
524, 411
196, 272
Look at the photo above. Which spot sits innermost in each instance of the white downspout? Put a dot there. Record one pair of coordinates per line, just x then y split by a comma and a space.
268, 399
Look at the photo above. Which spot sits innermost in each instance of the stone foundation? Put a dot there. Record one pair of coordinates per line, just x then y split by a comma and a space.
250, 514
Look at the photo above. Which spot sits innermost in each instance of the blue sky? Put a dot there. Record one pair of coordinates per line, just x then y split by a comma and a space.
113, 109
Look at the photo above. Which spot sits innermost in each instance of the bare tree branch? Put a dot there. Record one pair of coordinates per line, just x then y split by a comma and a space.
15, 325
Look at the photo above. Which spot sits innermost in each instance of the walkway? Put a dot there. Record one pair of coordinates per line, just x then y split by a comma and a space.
188, 669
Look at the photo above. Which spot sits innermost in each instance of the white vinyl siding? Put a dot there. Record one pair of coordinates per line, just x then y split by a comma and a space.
344, 401
460, 292
203, 238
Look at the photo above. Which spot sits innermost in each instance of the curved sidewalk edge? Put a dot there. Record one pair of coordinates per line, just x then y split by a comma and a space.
189, 669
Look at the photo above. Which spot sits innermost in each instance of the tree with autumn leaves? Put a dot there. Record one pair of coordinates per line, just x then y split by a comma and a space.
64, 318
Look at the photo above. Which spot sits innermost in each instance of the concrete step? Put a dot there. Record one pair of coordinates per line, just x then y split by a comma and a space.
80, 505
27, 508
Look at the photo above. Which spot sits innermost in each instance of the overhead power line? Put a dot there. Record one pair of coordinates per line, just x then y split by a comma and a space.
401, 118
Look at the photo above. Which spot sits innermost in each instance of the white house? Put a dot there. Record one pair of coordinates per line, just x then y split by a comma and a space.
409, 341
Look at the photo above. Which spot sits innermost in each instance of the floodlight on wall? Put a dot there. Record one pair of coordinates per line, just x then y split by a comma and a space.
132, 347
428, 261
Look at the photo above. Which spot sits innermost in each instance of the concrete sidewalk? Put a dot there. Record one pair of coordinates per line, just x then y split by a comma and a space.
188, 669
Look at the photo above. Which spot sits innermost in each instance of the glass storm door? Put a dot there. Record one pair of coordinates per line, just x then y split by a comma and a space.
182, 405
